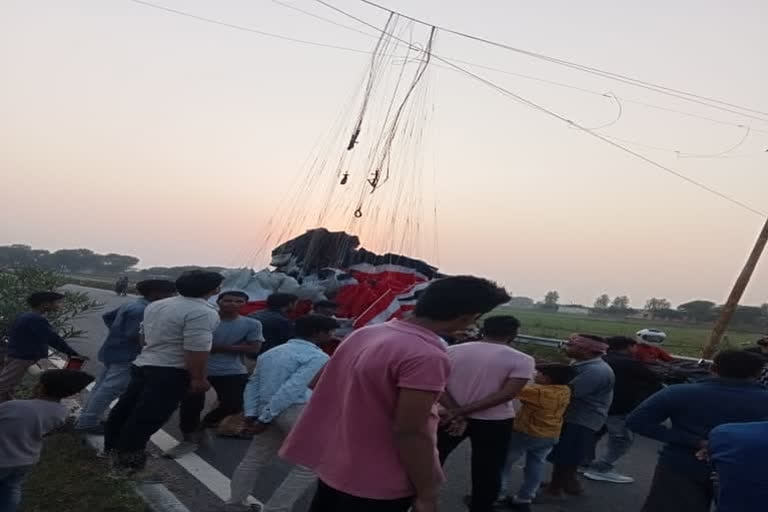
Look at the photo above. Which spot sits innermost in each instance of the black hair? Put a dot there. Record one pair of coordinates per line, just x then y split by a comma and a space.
559, 374
451, 297
281, 300
620, 342
234, 293
308, 325
37, 299
326, 304
198, 283
60, 384
150, 286
738, 364
502, 325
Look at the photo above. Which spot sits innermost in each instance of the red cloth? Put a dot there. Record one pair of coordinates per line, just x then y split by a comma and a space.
651, 353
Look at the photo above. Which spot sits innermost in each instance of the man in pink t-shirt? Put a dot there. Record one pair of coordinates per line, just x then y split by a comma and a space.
486, 376
369, 430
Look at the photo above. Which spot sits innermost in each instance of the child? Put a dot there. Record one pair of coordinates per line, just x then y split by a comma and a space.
24, 423
537, 428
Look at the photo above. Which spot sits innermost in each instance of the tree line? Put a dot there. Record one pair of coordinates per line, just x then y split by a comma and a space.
695, 311
86, 261
65, 260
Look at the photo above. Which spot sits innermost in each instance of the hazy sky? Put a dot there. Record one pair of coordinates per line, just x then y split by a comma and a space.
128, 129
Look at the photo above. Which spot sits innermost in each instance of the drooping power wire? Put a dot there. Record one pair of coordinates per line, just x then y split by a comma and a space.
535, 106
688, 96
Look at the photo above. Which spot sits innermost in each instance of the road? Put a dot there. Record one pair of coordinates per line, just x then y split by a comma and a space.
225, 454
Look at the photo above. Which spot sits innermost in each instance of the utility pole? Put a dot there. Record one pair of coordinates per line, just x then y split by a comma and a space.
738, 290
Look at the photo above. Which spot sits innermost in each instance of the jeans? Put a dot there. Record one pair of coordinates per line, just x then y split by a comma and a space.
620, 440
328, 499
535, 450
149, 401
229, 392
490, 442
260, 454
674, 490
11, 479
112, 382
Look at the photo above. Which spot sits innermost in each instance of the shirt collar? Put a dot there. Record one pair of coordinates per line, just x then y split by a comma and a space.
429, 336
588, 361
300, 341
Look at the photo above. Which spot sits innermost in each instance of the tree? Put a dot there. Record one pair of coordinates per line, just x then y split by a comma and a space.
521, 302
620, 303
551, 299
654, 304
602, 301
698, 310
16, 285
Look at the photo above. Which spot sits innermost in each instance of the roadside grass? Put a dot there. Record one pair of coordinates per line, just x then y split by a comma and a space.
70, 477
687, 340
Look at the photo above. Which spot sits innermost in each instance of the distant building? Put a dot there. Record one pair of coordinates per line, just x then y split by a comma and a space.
574, 309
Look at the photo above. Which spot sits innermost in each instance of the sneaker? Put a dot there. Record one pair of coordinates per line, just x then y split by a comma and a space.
181, 449
515, 503
609, 476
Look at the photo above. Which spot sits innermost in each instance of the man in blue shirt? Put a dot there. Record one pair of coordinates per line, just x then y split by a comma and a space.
682, 481
277, 327
739, 454
120, 348
29, 337
274, 398
235, 337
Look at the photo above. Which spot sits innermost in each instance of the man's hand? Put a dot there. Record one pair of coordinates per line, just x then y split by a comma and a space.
199, 386
425, 503
703, 452
456, 427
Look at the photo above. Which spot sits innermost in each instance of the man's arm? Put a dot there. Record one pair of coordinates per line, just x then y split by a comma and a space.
109, 317
508, 391
44, 331
240, 348
313, 383
197, 366
415, 444
295, 385
197, 336
649, 417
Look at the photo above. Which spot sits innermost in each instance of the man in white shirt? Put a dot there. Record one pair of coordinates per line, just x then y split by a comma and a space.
178, 333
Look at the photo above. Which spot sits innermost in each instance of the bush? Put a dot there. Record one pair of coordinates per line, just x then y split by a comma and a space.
16, 285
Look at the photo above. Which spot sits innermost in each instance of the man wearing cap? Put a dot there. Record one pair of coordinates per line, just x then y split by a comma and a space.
591, 396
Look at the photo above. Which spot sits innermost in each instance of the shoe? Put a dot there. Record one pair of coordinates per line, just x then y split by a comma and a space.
181, 449
513, 503
609, 476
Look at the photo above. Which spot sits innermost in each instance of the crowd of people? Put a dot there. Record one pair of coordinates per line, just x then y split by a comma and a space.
370, 421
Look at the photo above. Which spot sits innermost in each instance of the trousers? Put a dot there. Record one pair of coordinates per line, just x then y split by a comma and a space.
490, 443
229, 393
152, 395
328, 499
112, 382
261, 452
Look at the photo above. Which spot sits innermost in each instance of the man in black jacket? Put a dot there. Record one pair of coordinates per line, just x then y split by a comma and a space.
634, 383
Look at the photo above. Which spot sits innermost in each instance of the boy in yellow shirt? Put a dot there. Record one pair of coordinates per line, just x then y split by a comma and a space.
537, 429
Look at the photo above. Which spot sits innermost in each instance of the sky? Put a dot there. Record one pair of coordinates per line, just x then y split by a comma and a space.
128, 129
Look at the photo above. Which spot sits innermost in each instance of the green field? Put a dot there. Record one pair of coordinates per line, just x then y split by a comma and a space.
682, 339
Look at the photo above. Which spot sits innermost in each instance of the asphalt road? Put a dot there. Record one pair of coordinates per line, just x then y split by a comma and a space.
225, 454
